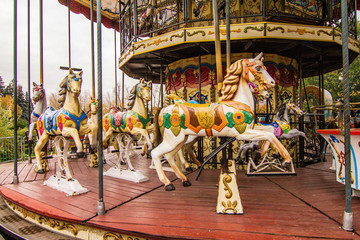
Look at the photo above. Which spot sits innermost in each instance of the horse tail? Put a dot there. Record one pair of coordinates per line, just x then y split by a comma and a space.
157, 132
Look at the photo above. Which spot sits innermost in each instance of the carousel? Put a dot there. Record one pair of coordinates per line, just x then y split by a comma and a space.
229, 120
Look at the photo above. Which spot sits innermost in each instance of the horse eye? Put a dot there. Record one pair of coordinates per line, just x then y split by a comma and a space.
258, 69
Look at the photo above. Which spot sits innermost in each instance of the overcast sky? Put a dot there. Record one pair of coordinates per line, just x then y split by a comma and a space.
55, 30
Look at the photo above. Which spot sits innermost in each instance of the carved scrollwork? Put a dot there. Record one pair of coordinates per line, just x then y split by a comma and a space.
229, 206
157, 42
112, 236
259, 29
190, 34
301, 31
325, 32
276, 29
139, 46
180, 35
58, 225
227, 179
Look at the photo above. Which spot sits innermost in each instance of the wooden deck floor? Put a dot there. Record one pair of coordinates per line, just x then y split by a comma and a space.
308, 205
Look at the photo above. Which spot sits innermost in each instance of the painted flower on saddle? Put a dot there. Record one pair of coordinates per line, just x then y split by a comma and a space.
129, 121
175, 120
118, 118
161, 120
106, 123
59, 122
239, 117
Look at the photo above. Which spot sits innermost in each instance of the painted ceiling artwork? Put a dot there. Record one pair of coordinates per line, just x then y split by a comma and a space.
185, 72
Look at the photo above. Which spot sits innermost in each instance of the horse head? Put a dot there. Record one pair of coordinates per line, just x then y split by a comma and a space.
73, 83
258, 77
92, 108
291, 105
38, 92
143, 90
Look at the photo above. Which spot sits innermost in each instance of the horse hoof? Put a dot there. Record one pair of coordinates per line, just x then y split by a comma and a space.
287, 166
104, 161
186, 183
80, 154
257, 156
41, 171
189, 169
170, 187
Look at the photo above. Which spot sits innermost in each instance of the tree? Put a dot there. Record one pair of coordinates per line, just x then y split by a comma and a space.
2, 87
7, 103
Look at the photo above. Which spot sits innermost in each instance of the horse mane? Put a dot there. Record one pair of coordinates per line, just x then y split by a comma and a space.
231, 80
281, 111
132, 95
62, 91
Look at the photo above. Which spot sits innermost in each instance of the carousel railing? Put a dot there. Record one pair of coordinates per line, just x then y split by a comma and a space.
147, 18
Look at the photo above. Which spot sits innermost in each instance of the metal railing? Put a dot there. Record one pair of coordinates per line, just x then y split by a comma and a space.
7, 149
148, 18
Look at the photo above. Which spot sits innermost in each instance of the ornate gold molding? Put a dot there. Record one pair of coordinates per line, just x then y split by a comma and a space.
259, 29
59, 225
229, 206
189, 34
227, 179
139, 46
180, 35
301, 31
276, 29
223, 31
25, 213
325, 32
112, 236
157, 42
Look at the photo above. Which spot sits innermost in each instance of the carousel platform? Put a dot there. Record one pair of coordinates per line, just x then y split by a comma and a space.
308, 205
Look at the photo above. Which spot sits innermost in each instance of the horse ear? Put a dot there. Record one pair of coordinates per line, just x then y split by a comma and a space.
149, 83
142, 80
258, 57
71, 71
34, 84
80, 73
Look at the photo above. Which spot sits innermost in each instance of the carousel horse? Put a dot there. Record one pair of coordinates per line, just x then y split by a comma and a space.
68, 121
135, 120
39, 100
232, 116
280, 127
92, 111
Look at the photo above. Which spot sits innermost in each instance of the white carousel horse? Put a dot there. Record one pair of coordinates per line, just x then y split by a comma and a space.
282, 130
68, 121
39, 100
232, 116
127, 126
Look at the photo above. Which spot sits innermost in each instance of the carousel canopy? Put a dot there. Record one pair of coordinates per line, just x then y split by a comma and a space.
109, 10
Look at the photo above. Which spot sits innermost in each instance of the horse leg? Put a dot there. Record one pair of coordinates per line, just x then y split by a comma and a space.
168, 145
171, 160
38, 147
182, 160
256, 135
107, 137
72, 132
145, 134
31, 130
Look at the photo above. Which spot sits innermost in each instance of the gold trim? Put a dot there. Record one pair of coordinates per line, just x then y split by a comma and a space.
301, 31
157, 42
139, 46
325, 32
223, 31
275, 29
229, 206
260, 29
112, 236
177, 35
23, 211
58, 224
189, 34
227, 179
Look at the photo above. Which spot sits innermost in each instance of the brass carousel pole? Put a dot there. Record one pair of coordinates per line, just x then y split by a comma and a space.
29, 82
15, 177
348, 215
69, 35
101, 204
92, 48
219, 74
116, 97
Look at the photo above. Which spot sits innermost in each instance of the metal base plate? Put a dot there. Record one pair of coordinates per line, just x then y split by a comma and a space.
70, 187
126, 174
